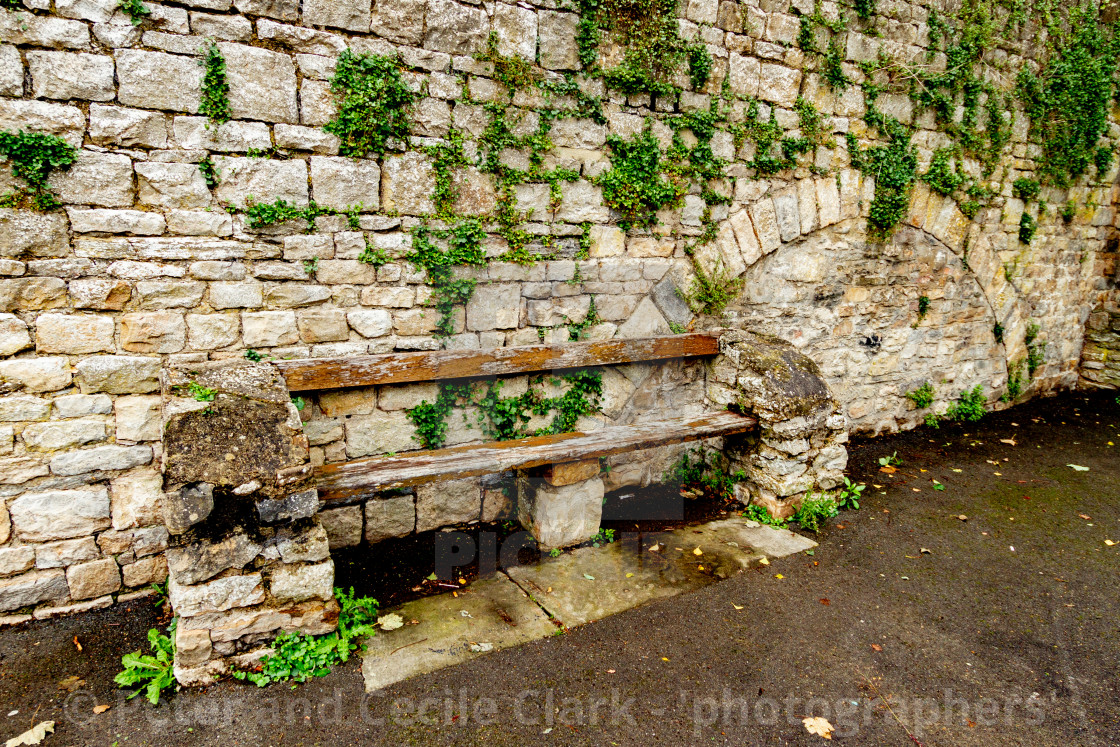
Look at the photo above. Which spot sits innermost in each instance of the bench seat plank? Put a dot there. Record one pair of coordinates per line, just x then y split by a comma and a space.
399, 368
352, 479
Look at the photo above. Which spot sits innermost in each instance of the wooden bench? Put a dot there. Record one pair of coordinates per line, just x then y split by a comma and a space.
350, 481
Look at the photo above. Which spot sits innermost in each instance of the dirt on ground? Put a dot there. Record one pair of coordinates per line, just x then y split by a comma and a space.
982, 614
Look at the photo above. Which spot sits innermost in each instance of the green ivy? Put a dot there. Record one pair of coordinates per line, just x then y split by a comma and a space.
969, 406
649, 32
699, 66
635, 186
135, 10
264, 214
944, 175
464, 248
894, 167
1069, 99
1027, 228
710, 293
865, 8
215, 88
373, 101
209, 172
922, 397
515, 73
34, 155
1025, 189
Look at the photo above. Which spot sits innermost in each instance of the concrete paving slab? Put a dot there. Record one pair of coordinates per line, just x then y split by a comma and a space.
488, 615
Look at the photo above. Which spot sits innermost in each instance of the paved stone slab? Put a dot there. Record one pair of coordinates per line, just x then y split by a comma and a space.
498, 615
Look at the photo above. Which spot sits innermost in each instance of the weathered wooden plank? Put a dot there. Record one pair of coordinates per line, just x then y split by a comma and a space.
398, 368
361, 476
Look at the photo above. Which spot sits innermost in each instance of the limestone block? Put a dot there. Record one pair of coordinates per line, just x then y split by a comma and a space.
447, 502
24, 233
582, 202
389, 517
32, 588
646, 321
35, 374
379, 433
285, 10
343, 525
118, 374
828, 201
156, 332
749, 247
201, 223
67, 122
62, 434
315, 140
15, 560
32, 294
303, 546
455, 28
559, 516
192, 564
343, 402
116, 221
227, 28
66, 552
269, 329
73, 333
198, 133
187, 506
59, 514
138, 418
245, 295
345, 182
494, 307
20, 407
406, 184
5, 523
745, 73
103, 179
431, 118
101, 458
136, 499
14, 336
303, 39
559, 50
476, 194
212, 331
370, 323
18, 470
79, 405
316, 103
346, 14
155, 80
516, 28
216, 596
297, 583
321, 432
93, 579
43, 31
779, 84
11, 71
265, 180
172, 185
262, 83
787, 214
292, 295
100, 293
322, 325
414, 322
68, 75
144, 572
401, 21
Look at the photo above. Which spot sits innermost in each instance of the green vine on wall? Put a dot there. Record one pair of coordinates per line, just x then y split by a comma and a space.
463, 244
135, 10
893, 165
635, 185
214, 102
34, 156
373, 102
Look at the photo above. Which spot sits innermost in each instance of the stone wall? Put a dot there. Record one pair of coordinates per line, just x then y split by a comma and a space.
144, 268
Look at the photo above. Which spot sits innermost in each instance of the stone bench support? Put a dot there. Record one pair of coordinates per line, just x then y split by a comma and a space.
561, 504
799, 446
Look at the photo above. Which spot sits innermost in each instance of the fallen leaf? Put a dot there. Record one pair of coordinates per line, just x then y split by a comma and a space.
825, 602
71, 683
431, 577
888, 470
876, 647
655, 548
1110, 543
699, 567
589, 577
737, 606
34, 735
100, 708
462, 581
962, 517
1086, 517
957, 470
629, 575
764, 561
1008, 441
697, 551
664, 658
778, 575
926, 551
391, 621
819, 726
1078, 467
77, 645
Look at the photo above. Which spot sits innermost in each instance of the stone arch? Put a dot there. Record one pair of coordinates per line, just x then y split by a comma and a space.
959, 266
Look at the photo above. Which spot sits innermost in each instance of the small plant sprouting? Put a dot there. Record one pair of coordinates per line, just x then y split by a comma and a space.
923, 307
201, 393
555, 552
849, 495
34, 155
299, 402
255, 356
755, 512
602, 537
209, 172
890, 461
814, 510
311, 266
154, 672
1027, 228
135, 10
969, 405
922, 397
375, 256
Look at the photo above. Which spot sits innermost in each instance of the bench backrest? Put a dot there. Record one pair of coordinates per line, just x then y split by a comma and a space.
399, 368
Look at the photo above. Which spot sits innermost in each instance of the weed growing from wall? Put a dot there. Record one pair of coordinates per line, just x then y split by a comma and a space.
634, 185
894, 167
135, 10
1027, 228
264, 214
209, 172
922, 397
34, 156
373, 103
648, 32
214, 103
463, 244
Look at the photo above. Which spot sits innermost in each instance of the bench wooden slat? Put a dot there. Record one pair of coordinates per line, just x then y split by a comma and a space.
361, 476
399, 368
